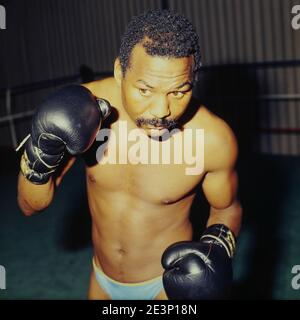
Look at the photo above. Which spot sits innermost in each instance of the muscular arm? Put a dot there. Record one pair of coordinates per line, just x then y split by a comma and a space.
221, 184
34, 198
64, 124
220, 190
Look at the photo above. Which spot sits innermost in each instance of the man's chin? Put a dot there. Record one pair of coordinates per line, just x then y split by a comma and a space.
155, 133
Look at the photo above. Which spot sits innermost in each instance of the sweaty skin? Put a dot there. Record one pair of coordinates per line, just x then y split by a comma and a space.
138, 210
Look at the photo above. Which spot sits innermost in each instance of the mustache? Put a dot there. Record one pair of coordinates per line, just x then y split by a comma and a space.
155, 122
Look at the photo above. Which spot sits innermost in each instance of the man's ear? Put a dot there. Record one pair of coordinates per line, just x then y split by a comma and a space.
118, 71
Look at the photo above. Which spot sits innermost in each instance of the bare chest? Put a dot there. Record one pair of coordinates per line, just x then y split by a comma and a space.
151, 183
158, 174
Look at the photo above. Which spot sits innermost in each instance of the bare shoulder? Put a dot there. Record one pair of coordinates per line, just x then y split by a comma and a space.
104, 88
221, 147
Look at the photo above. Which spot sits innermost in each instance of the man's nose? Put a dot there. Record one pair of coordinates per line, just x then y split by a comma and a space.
160, 107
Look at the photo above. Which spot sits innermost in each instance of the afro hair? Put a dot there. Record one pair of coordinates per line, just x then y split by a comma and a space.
162, 33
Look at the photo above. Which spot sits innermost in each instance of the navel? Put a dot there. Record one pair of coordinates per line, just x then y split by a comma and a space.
91, 178
121, 252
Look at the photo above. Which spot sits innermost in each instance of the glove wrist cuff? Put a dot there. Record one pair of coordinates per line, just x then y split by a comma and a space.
30, 174
221, 235
36, 165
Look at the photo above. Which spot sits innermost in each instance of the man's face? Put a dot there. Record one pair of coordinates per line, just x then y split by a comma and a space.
156, 90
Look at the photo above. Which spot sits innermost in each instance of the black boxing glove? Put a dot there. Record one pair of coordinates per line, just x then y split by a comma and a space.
200, 270
68, 120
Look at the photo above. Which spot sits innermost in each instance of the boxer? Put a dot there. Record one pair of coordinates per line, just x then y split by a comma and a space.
141, 231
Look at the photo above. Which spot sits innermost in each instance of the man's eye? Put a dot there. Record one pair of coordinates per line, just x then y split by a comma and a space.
178, 94
145, 92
